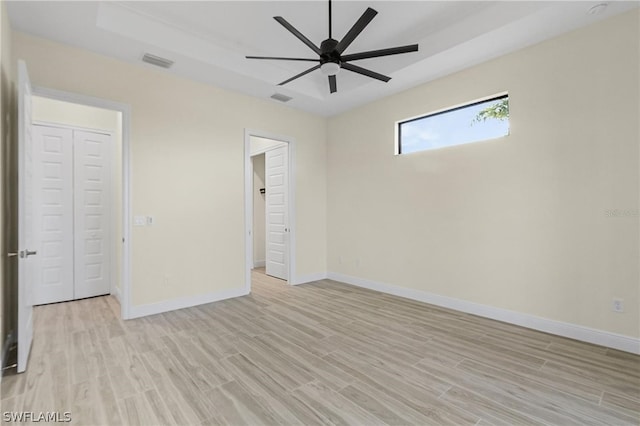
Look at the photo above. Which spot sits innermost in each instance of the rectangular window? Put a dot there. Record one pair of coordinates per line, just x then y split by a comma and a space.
475, 122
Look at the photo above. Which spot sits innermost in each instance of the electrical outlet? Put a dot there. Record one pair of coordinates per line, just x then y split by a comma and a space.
618, 305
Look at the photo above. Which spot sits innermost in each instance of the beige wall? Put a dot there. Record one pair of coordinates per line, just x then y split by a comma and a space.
187, 145
259, 218
518, 223
66, 113
258, 145
8, 292
59, 112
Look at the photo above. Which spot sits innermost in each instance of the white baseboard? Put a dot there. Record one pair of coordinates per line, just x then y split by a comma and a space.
573, 331
116, 293
259, 263
303, 279
184, 302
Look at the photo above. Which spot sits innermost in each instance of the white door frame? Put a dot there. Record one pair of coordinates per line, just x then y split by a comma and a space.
248, 204
125, 294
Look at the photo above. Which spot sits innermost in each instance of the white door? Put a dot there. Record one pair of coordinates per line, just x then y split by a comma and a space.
92, 195
53, 214
277, 214
26, 231
71, 213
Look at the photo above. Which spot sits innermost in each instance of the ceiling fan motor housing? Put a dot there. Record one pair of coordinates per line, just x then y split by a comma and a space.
329, 52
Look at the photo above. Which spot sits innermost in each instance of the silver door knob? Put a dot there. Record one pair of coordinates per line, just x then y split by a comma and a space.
28, 253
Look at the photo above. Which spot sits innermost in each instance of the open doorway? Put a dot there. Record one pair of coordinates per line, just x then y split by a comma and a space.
120, 197
269, 206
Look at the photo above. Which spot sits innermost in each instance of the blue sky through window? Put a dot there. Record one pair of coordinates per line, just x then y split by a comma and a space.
451, 128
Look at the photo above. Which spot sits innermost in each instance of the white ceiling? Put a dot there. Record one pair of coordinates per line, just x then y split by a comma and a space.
209, 39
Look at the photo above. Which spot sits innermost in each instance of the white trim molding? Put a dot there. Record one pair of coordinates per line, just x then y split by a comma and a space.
572, 331
259, 263
115, 292
309, 278
137, 311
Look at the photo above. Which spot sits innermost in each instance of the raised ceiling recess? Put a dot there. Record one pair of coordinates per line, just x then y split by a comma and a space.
331, 58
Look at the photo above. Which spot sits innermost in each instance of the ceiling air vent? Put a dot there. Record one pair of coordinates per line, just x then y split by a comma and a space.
280, 97
157, 60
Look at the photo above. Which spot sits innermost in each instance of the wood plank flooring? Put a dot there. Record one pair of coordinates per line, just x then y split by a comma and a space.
320, 353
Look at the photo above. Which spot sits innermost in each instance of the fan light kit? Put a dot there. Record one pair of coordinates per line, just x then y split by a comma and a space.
329, 68
330, 52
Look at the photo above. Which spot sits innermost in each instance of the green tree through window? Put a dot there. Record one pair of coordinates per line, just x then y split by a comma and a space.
498, 111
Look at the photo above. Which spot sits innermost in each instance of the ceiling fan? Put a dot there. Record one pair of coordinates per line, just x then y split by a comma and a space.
330, 52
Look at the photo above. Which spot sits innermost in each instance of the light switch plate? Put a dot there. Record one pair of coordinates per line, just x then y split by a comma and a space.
139, 221
150, 220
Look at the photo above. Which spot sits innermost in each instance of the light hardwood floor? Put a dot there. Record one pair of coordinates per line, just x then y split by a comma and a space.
321, 353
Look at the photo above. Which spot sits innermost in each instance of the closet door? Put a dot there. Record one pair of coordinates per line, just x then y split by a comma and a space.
53, 214
92, 213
